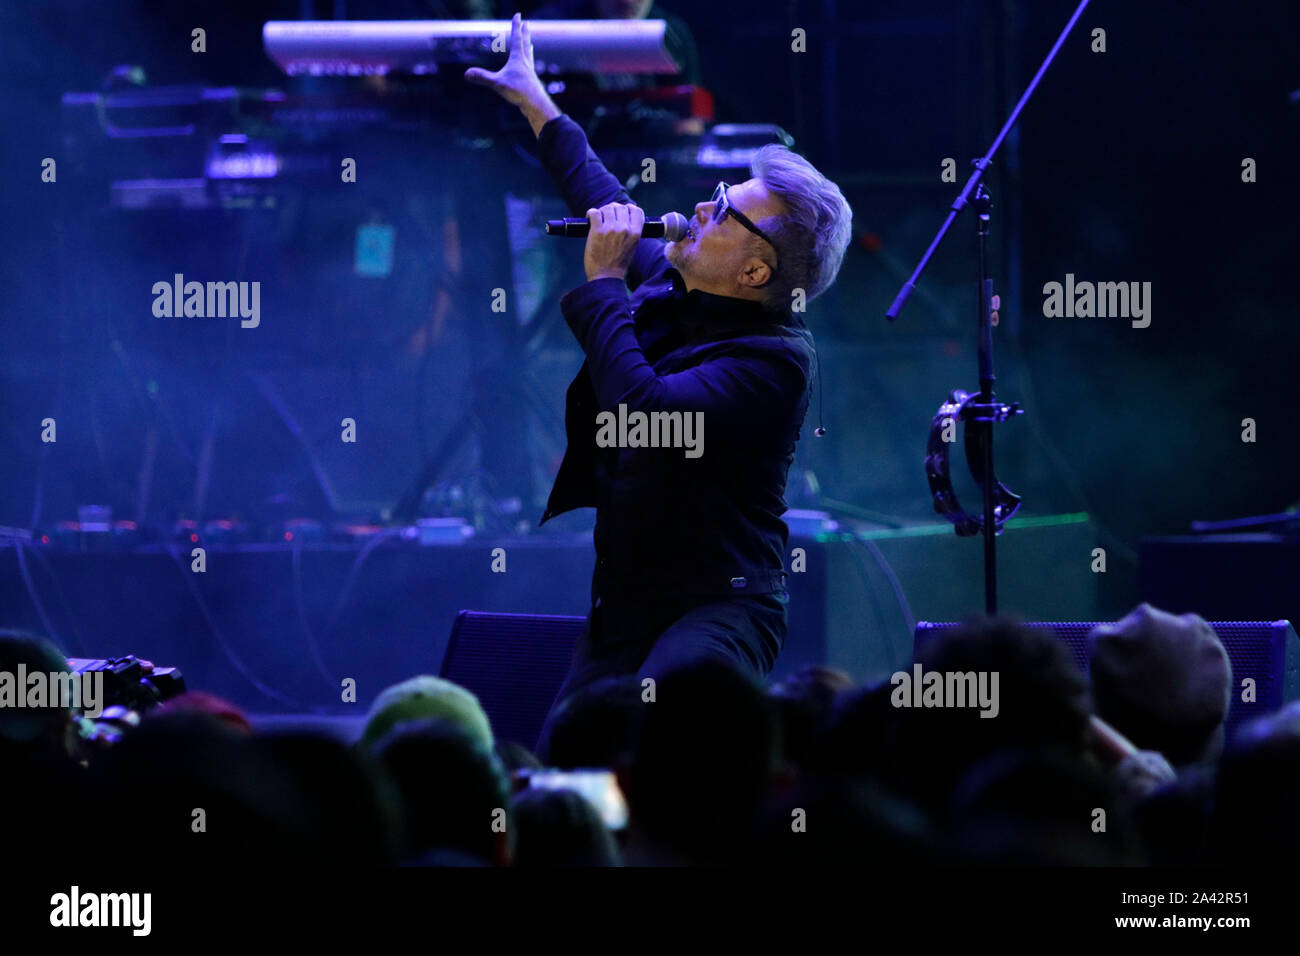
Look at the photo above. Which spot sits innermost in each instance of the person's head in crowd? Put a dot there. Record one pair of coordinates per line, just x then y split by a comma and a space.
41, 734
597, 726
1164, 681
1176, 820
347, 813
184, 788
455, 793
560, 828
702, 767
515, 756
841, 821
1040, 807
1258, 791
203, 702
41, 781
1041, 701
855, 737
803, 702
426, 697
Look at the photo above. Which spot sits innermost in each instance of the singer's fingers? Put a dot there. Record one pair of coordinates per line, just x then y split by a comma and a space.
480, 76
516, 29
594, 217
636, 219
528, 43
627, 218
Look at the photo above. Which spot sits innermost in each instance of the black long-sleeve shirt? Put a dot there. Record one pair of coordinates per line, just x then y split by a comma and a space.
667, 523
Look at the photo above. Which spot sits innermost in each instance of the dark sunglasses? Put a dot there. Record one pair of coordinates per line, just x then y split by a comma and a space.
722, 208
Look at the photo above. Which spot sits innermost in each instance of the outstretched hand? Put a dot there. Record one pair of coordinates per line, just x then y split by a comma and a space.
517, 81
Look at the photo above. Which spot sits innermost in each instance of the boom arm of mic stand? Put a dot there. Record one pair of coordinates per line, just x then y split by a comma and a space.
982, 164
958, 205
983, 430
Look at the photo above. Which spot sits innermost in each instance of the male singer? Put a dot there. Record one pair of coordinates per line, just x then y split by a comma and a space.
689, 548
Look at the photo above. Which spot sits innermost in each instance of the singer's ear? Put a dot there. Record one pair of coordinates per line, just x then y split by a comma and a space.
756, 273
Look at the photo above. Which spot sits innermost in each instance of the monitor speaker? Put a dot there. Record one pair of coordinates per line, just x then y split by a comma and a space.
514, 664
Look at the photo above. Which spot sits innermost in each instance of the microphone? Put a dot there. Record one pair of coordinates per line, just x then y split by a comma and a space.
672, 226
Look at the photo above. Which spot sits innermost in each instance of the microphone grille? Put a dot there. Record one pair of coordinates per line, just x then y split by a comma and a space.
674, 226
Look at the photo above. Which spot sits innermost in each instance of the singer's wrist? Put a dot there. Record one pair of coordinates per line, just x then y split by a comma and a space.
607, 274
539, 110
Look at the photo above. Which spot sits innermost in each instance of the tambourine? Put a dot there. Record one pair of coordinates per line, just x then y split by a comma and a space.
963, 407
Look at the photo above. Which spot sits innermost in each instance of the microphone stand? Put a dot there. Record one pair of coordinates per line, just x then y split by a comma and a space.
981, 415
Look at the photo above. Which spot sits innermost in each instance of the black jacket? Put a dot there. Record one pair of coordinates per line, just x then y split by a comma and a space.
667, 523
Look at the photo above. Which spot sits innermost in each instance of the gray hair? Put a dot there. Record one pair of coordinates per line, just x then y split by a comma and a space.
810, 242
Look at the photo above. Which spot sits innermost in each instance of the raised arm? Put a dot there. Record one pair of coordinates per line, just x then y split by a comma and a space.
517, 82
583, 180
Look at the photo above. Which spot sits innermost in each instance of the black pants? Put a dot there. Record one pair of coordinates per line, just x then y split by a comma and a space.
649, 637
